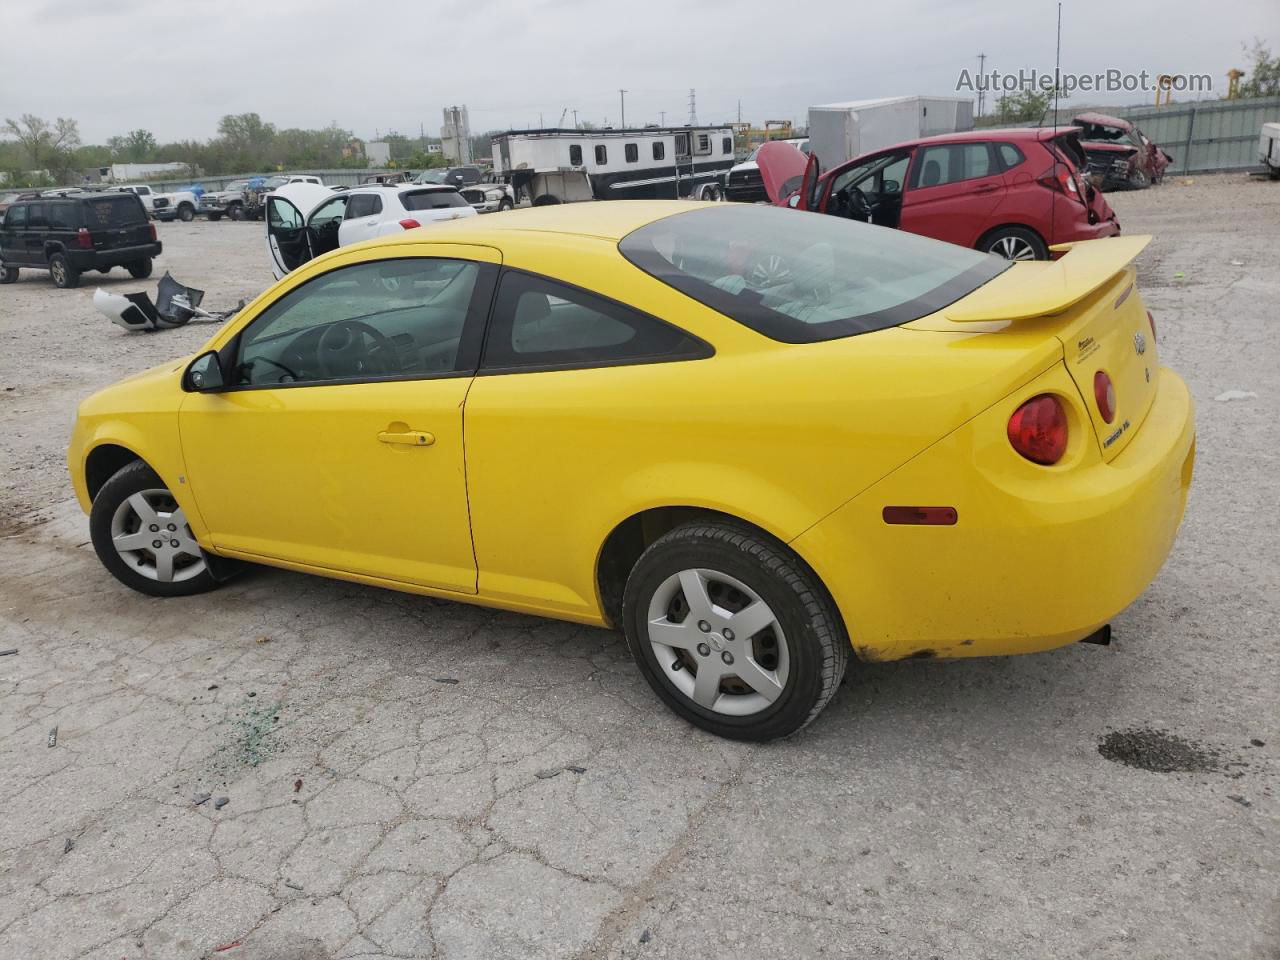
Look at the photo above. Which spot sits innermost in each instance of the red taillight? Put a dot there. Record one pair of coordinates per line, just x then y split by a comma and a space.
1038, 429
1062, 178
409, 224
1152, 320
152, 228
84, 239
1104, 394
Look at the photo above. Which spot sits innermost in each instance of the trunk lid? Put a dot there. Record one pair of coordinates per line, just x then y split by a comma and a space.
1089, 301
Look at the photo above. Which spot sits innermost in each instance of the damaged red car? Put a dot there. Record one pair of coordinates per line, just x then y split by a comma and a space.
1013, 192
1120, 155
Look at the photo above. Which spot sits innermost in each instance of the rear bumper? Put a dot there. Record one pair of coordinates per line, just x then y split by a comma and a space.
1040, 557
93, 259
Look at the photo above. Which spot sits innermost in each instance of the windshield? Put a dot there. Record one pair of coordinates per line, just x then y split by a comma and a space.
236, 185
801, 279
430, 176
275, 183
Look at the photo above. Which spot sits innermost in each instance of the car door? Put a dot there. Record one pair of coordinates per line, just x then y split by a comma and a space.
953, 191
34, 234
287, 210
14, 243
362, 218
336, 443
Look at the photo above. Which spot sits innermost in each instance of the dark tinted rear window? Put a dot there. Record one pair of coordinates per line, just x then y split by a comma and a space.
432, 199
800, 277
118, 211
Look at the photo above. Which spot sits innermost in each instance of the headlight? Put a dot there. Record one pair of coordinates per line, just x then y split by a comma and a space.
493, 194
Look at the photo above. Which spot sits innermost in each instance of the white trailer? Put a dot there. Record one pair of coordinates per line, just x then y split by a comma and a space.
842, 131
1269, 148
565, 166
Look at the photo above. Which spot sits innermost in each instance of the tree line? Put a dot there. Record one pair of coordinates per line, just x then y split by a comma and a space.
36, 152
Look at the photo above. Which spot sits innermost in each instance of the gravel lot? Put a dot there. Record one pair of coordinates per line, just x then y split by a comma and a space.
413, 778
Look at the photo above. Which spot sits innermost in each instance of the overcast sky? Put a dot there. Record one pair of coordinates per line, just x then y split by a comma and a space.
385, 66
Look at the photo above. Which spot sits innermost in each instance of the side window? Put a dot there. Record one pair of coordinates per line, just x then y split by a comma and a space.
659, 150
602, 154
1010, 156
632, 152
951, 163
703, 144
282, 214
388, 318
63, 216
16, 217
538, 323
682, 144
726, 145
363, 205
36, 216
575, 154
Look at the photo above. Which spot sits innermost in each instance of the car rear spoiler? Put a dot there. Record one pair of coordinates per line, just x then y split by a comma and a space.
1046, 287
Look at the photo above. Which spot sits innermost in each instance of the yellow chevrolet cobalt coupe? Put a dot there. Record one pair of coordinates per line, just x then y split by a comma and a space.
756, 443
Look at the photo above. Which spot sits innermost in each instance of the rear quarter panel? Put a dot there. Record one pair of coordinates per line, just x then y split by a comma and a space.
779, 435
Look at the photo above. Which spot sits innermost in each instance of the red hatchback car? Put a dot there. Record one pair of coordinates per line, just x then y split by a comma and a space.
1012, 192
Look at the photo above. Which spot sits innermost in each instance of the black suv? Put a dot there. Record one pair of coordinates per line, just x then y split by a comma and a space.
69, 235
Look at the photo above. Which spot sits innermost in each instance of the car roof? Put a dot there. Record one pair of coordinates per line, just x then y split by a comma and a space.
1003, 134
1102, 120
610, 221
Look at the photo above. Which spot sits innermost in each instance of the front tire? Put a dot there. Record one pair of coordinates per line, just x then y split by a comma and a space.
8, 274
733, 632
1138, 180
235, 211
186, 213
65, 276
139, 269
505, 205
142, 537
1015, 243
215, 217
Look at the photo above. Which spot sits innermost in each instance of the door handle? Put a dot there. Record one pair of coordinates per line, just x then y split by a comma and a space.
410, 438
989, 188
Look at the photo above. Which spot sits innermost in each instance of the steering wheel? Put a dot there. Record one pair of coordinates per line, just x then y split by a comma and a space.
341, 351
856, 202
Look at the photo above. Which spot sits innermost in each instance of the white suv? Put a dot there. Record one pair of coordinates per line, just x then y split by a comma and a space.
305, 220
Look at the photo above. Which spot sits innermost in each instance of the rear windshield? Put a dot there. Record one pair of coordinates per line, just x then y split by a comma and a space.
803, 277
432, 199
117, 211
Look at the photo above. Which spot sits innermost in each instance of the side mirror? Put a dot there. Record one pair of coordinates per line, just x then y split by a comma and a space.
204, 374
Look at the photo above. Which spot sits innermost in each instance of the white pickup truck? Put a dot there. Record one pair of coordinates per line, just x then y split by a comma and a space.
179, 205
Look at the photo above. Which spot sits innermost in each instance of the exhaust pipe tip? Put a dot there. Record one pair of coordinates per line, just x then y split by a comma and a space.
1101, 637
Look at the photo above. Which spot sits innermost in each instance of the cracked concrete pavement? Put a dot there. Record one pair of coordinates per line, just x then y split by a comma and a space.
545, 805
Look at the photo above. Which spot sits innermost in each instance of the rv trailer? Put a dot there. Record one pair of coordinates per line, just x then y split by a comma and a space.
650, 163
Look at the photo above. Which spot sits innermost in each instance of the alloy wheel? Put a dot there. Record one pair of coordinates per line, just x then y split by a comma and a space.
1014, 248
150, 533
718, 642
59, 272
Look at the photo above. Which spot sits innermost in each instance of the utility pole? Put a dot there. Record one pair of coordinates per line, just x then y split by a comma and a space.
982, 90
693, 107
662, 118
622, 97
575, 120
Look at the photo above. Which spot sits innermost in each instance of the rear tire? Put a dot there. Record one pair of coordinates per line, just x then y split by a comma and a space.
139, 269
1014, 243
8, 274
769, 682
132, 513
65, 276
